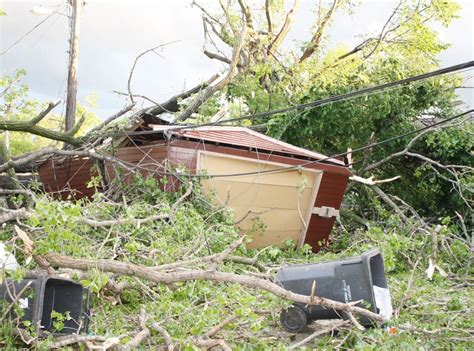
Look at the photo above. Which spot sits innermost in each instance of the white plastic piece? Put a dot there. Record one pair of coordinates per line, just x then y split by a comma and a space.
23, 303
383, 301
7, 260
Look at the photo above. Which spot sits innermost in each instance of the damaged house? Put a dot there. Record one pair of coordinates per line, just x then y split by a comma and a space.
277, 191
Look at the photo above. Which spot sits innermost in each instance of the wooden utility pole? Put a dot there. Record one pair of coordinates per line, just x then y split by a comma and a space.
76, 6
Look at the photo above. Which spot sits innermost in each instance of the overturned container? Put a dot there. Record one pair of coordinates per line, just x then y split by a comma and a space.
39, 295
348, 280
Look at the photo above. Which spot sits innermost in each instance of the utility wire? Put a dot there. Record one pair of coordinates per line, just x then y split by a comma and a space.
358, 93
327, 158
27, 33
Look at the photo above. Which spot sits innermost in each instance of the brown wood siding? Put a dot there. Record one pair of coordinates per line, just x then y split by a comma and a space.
72, 174
330, 194
318, 231
149, 160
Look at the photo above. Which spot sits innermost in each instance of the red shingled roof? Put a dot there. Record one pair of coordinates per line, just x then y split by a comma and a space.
244, 137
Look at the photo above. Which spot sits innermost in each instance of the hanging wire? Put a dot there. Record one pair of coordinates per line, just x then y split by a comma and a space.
24, 36
318, 103
324, 160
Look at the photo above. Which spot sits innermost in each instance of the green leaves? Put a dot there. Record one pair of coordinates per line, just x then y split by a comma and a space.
59, 319
96, 281
15, 105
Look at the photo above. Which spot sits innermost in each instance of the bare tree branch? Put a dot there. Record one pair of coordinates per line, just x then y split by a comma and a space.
32, 127
247, 14
166, 336
112, 118
317, 333
224, 254
211, 343
14, 215
410, 144
268, 15
209, 91
386, 29
129, 81
284, 29
6, 157
317, 36
74, 339
47, 151
389, 202
62, 261
172, 104
221, 58
214, 330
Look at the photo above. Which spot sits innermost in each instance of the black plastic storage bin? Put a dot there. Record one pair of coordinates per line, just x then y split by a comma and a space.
40, 295
347, 280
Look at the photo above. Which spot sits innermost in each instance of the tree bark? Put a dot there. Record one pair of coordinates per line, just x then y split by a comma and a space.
32, 127
211, 90
62, 261
316, 39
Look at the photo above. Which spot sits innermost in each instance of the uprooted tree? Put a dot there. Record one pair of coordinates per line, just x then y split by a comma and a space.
173, 265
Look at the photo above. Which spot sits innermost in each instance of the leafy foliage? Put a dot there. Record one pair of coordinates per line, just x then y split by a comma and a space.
16, 105
407, 45
430, 308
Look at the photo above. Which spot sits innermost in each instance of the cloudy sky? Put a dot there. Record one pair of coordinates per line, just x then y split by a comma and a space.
114, 32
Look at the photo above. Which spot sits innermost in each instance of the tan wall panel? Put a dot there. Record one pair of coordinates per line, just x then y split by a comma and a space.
279, 199
276, 219
223, 164
258, 195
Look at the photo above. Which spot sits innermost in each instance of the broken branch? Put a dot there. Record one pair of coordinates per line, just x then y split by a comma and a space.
330, 329
32, 127
148, 273
316, 39
47, 151
14, 215
209, 91
129, 81
75, 339
112, 118
371, 181
389, 202
166, 336
285, 28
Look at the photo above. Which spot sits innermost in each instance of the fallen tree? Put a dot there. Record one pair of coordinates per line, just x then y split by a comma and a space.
154, 281
184, 275
165, 272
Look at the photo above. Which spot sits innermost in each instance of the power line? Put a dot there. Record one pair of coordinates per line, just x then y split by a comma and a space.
27, 33
317, 103
327, 158
356, 93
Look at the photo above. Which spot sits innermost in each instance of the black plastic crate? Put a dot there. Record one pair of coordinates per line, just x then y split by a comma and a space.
347, 280
39, 295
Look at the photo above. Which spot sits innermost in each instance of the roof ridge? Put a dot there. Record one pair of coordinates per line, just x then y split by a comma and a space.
283, 147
